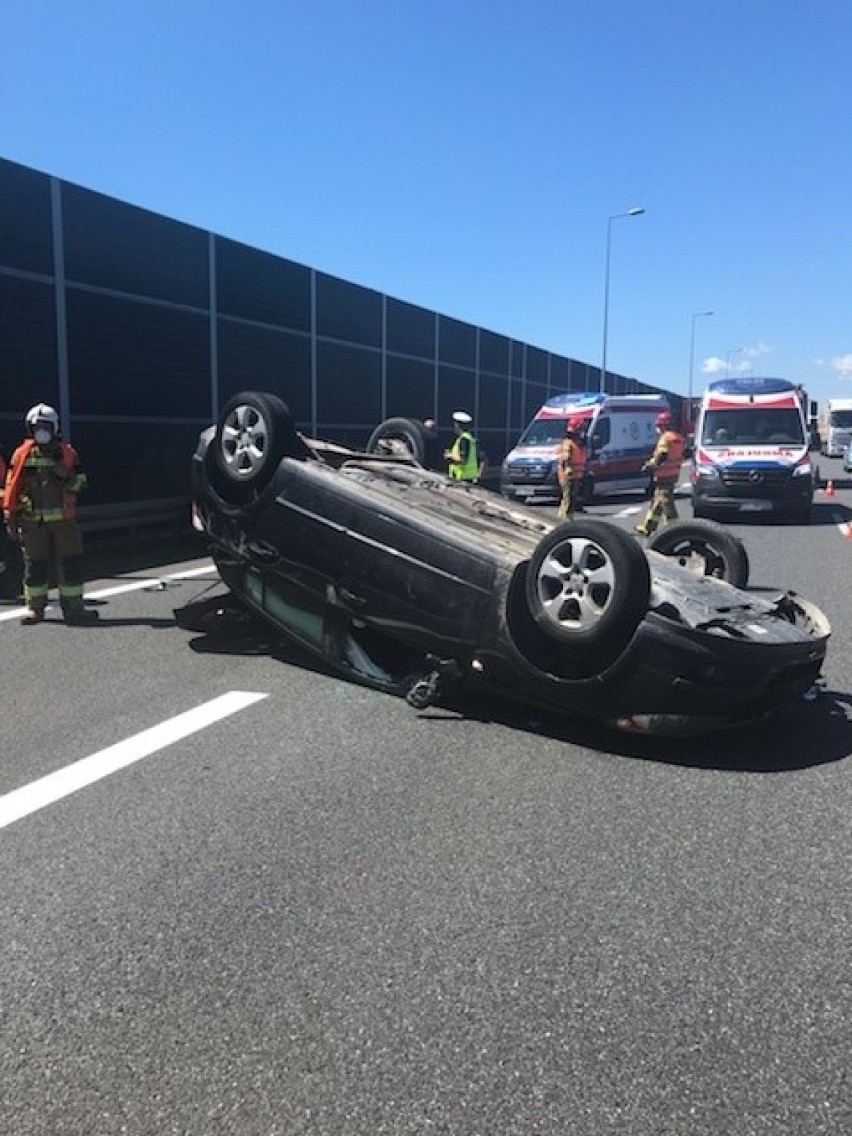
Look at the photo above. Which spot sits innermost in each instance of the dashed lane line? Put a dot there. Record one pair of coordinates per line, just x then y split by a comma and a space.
47, 790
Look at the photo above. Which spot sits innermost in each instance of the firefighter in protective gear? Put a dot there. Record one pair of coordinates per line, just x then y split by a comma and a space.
462, 457
572, 466
665, 463
5, 542
40, 507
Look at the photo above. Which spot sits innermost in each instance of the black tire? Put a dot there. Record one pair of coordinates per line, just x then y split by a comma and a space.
706, 548
12, 576
588, 584
800, 515
253, 433
587, 490
405, 437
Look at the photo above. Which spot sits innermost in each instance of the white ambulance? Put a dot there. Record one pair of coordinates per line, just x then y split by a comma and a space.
620, 437
752, 450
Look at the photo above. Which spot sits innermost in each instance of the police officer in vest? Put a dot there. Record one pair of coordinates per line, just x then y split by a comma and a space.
462, 456
40, 506
664, 464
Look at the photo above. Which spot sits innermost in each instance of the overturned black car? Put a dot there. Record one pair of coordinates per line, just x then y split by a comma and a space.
401, 579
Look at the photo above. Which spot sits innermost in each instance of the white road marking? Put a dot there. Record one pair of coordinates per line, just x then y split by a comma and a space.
47, 790
120, 589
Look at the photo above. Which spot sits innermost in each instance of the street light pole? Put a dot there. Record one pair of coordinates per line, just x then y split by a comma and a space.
634, 211
695, 316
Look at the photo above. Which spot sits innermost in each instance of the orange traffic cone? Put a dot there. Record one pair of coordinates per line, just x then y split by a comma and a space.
829, 489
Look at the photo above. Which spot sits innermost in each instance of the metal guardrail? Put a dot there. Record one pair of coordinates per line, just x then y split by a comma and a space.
135, 514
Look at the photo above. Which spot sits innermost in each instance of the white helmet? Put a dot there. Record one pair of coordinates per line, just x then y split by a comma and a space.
41, 412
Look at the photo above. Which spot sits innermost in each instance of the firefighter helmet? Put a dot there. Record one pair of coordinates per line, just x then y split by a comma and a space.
575, 424
41, 412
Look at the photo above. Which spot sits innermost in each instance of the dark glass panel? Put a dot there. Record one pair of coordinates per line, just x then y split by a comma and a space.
536, 365
493, 353
411, 330
410, 387
591, 378
456, 391
516, 409
535, 396
560, 373
135, 461
493, 396
456, 342
27, 347
517, 362
258, 286
349, 386
132, 358
260, 358
347, 311
113, 245
26, 229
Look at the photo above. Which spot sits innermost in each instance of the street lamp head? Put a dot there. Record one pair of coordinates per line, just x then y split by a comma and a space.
635, 210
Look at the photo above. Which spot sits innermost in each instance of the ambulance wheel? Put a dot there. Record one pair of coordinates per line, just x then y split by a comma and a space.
587, 490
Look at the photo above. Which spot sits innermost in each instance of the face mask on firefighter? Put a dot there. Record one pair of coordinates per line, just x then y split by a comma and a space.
42, 435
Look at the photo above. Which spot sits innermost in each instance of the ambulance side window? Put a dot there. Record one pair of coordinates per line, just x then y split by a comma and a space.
602, 434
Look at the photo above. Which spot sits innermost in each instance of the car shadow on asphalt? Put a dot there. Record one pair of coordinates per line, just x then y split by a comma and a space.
815, 732
809, 733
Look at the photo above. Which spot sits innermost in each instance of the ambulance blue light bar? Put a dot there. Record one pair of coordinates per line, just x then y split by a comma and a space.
750, 384
575, 398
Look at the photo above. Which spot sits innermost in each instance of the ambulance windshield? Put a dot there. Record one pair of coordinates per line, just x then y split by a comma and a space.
543, 432
755, 426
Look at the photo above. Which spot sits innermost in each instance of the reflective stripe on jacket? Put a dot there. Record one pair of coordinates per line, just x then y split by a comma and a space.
469, 470
668, 456
572, 460
34, 492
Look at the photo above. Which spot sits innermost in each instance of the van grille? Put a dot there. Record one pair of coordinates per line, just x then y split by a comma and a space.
529, 473
756, 480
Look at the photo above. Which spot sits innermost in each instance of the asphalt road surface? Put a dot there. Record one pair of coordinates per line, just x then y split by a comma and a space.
241, 896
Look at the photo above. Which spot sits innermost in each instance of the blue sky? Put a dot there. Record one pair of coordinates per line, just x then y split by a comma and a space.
467, 155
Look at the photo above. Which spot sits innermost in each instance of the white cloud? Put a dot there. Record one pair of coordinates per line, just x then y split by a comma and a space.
842, 364
738, 360
713, 366
757, 351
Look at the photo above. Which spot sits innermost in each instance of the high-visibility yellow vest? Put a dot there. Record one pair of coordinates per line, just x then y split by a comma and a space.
469, 471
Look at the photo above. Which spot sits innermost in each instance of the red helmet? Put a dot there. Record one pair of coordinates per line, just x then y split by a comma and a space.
664, 419
575, 424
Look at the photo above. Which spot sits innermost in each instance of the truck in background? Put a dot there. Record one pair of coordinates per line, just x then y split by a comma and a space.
620, 436
752, 450
836, 427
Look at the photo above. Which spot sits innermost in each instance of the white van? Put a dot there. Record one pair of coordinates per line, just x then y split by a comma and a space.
752, 448
620, 437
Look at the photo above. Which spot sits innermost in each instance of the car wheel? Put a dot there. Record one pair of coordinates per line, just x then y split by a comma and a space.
402, 436
253, 433
588, 583
704, 548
